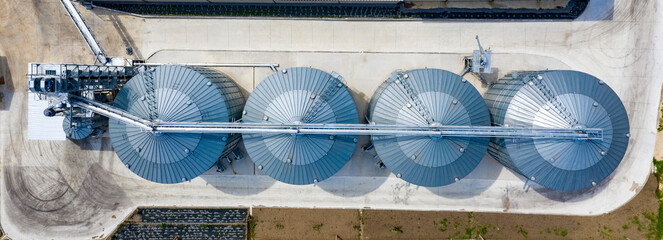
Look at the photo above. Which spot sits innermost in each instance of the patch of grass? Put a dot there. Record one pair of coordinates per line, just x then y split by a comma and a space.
163, 225
317, 227
521, 231
361, 223
252, 228
625, 227
203, 226
279, 226
635, 220
559, 231
444, 223
659, 220
396, 229
658, 165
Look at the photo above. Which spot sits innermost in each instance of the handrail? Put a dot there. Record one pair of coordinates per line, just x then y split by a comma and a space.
335, 129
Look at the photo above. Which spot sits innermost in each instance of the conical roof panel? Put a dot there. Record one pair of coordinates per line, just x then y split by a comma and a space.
300, 95
80, 129
559, 99
174, 94
427, 97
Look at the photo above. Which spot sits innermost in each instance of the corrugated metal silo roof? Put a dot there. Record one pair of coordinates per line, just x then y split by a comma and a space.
559, 99
426, 97
174, 94
300, 95
82, 128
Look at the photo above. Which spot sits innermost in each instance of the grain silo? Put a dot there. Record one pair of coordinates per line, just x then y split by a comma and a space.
300, 96
174, 94
558, 99
429, 97
81, 127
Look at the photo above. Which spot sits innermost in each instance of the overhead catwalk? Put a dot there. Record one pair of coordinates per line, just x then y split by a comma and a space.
558, 99
177, 94
300, 96
429, 97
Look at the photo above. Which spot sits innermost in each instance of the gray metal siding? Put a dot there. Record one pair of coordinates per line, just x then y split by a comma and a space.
429, 161
286, 98
553, 163
181, 94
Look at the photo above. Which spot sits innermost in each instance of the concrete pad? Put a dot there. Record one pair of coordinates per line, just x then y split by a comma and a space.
41, 127
82, 182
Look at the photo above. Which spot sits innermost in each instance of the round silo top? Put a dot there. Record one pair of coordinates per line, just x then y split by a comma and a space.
173, 94
429, 97
80, 128
561, 99
294, 96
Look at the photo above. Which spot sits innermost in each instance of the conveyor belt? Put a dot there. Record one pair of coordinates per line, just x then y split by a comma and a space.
335, 129
85, 31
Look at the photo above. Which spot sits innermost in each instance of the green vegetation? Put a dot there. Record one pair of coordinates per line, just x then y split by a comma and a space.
396, 229
317, 227
521, 231
252, 228
658, 220
660, 122
475, 230
559, 231
361, 223
444, 223
163, 225
279, 226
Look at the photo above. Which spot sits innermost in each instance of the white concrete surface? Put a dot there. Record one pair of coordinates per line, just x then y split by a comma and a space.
64, 190
41, 127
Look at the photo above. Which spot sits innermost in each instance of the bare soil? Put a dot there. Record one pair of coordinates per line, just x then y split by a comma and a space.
635, 220
281, 223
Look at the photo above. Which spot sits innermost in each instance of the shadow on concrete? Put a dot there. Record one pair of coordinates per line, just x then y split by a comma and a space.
94, 143
571, 196
361, 166
6, 84
126, 37
475, 183
598, 10
239, 185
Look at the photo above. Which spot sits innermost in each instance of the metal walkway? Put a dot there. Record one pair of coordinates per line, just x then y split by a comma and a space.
334, 129
85, 31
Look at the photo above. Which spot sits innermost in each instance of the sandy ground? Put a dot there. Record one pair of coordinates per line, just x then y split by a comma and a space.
70, 190
629, 222
547, 4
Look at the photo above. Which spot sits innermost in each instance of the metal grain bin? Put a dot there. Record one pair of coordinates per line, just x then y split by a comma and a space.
175, 94
300, 95
429, 97
558, 99
81, 127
